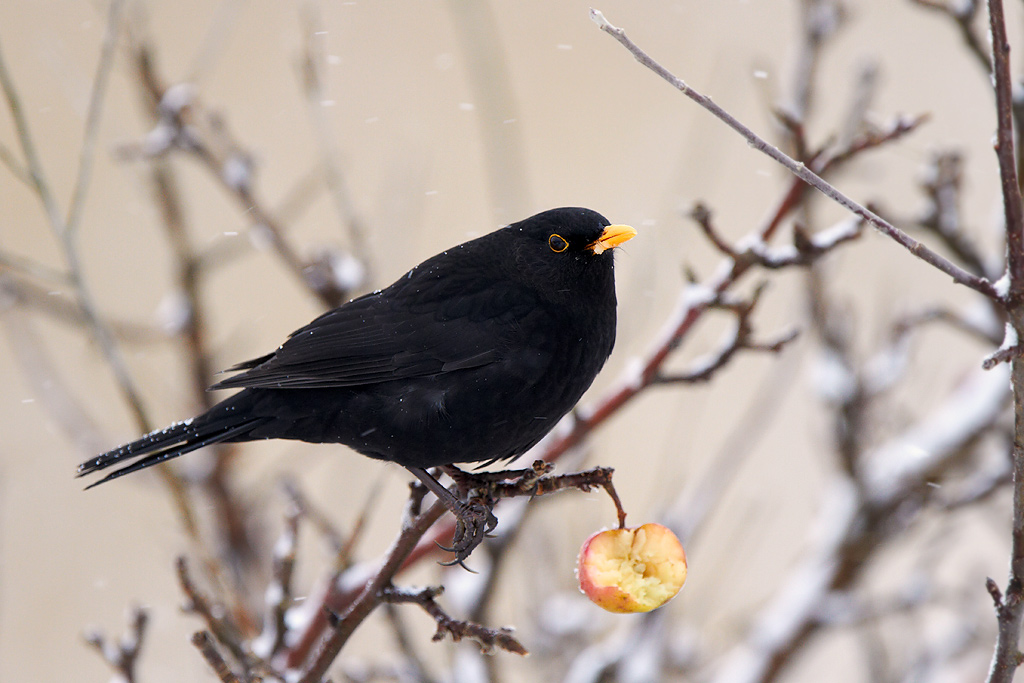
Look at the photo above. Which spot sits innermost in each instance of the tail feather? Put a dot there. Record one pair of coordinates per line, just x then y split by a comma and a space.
177, 439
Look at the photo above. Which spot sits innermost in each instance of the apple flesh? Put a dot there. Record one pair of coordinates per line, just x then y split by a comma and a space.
632, 570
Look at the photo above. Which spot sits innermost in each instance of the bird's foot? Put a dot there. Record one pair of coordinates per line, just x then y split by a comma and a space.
473, 521
473, 517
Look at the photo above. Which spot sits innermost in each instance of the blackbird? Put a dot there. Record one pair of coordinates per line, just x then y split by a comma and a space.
471, 356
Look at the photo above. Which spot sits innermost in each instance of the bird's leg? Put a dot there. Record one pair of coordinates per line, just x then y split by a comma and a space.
473, 519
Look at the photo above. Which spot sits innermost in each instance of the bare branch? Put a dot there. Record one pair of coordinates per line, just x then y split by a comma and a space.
208, 648
334, 178
959, 275
110, 349
1005, 152
487, 638
123, 656
962, 13
893, 474
15, 167
185, 125
1006, 657
368, 597
942, 184
92, 120
961, 322
217, 621
279, 593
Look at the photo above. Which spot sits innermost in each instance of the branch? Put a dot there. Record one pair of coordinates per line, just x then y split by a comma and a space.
738, 338
487, 638
368, 598
279, 592
66, 235
962, 13
958, 274
217, 621
316, 96
942, 184
185, 125
694, 300
1006, 656
1014, 213
853, 525
123, 656
208, 648
92, 120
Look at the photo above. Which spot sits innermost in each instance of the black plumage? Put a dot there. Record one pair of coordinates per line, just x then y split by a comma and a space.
471, 356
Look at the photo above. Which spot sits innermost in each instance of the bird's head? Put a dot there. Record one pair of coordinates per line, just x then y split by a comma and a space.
567, 253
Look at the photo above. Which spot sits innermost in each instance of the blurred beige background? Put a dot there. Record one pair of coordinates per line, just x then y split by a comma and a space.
588, 126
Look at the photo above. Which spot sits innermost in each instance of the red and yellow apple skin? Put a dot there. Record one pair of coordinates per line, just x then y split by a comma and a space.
632, 569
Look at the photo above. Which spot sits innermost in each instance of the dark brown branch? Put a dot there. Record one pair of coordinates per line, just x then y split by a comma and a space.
958, 274
487, 638
220, 625
739, 338
489, 487
1006, 657
583, 481
899, 127
208, 648
1014, 212
824, 163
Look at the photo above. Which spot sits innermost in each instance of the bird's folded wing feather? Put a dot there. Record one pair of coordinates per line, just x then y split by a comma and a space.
374, 339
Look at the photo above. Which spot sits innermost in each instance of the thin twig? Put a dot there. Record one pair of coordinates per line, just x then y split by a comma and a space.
279, 594
487, 638
185, 125
217, 621
59, 306
110, 350
208, 648
87, 154
123, 656
962, 13
958, 274
21, 173
334, 179
369, 596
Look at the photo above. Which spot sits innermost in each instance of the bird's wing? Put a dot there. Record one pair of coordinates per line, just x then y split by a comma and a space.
390, 335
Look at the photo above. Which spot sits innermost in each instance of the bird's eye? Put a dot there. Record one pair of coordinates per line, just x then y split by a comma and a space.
557, 243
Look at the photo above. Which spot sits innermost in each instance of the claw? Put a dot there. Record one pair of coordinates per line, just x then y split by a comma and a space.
473, 519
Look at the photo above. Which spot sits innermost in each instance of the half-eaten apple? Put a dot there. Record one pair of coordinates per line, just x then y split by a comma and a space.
632, 569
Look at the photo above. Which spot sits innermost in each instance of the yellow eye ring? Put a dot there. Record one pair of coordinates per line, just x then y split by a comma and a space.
557, 243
